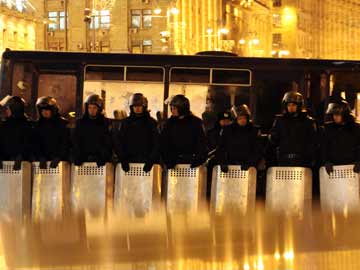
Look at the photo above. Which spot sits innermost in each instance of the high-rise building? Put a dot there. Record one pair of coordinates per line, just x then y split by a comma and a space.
327, 29
21, 25
135, 26
249, 22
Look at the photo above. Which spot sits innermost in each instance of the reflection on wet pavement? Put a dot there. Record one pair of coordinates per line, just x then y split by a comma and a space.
199, 240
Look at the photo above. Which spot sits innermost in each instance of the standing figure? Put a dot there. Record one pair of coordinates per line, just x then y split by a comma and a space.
294, 133
183, 138
92, 137
340, 144
138, 139
51, 136
239, 143
15, 132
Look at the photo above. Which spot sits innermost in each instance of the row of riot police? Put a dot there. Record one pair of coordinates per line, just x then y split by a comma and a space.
234, 140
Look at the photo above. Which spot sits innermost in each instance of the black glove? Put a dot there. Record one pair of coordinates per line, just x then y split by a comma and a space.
329, 167
196, 163
244, 167
54, 163
78, 162
125, 166
170, 164
224, 168
357, 167
100, 163
43, 164
17, 165
148, 166
1, 165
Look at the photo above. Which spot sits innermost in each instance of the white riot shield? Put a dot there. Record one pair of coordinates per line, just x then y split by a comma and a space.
15, 191
92, 188
234, 190
50, 191
136, 191
186, 188
339, 191
288, 190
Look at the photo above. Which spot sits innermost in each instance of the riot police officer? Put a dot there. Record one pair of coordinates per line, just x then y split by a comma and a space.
239, 143
51, 134
183, 138
340, 144
223, 119
138, 139
294, 133
15, 132
92, 137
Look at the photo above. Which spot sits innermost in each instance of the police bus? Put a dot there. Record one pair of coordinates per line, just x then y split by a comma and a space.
212, 81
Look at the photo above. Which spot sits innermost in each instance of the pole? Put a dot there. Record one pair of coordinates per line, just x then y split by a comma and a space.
66, 25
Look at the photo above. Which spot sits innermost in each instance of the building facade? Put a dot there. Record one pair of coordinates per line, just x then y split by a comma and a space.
21, 25
326, 29
135, 26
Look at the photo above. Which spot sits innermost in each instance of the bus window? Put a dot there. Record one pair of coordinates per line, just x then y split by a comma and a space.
267, 92
118, 93
110, 73
22, 80
190, 75
207, 100
60, 86
152, 74
347, 84
231, 77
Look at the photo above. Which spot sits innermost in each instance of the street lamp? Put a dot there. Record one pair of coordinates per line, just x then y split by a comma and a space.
157, 11
174, 11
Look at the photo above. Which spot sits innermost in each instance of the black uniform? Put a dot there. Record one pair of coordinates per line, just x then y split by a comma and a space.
213, 135
92, 137
294, 136
340, 143
138, 139
15, 133
51, 137
239, 145
183, 138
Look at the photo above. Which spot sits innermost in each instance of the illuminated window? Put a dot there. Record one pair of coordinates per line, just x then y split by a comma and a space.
277, 38
146, 18
147, 46
135, 18
277, 20
53, 25
135, 46
56, 20
100, 20
20, 5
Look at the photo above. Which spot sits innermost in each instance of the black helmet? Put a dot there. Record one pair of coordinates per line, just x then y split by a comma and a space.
15, 104
47, 103
182, 103
94, 100
293, 97
341, 107
224, 115
242, 110
138, 99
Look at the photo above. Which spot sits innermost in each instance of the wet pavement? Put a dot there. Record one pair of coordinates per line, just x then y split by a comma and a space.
260, 240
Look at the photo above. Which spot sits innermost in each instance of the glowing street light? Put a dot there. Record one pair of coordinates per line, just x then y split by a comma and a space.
242, 41
256, 41
157, 11
174, 11
224, 31
209, 31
